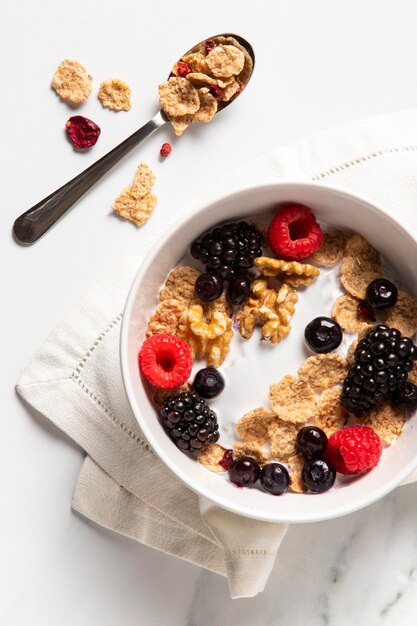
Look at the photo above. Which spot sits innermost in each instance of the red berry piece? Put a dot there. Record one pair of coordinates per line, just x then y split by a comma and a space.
294, 233
165, 361
183, 69
366, 311
217, 92
354, 449
210, 45
227, 459
82, 132
165, 150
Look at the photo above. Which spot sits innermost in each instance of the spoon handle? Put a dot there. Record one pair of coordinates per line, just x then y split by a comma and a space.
35, 222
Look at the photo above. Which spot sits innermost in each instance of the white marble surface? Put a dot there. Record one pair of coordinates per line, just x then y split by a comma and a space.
320, 63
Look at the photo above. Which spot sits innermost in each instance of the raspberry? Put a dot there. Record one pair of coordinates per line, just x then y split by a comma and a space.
165, 361
217, 92
165, 150
183, 69
294, 233
354, 449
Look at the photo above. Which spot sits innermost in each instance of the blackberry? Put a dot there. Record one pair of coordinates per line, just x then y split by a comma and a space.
383, 359
189, 422
228, 250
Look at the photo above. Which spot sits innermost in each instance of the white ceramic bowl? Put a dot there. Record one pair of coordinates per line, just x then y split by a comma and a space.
331, 206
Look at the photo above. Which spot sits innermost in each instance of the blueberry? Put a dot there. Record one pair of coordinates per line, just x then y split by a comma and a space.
195, 249
311, 441
318, 475
405, 396
238, 290
381, 294
274, 478
208, 382
209, 287
244, 472
323, 334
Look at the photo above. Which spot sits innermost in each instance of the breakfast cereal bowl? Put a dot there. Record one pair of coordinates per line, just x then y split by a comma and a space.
253, 365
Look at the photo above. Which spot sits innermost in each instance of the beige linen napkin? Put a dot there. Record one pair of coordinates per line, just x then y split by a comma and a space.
74, 378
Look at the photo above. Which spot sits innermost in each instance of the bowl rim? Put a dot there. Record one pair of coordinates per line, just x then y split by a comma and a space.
191, 212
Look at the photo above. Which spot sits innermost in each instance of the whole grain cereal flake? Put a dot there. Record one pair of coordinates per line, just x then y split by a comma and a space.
403, 315
350, 356
332, 416
178, 97
331, 248
252, 449
386, 420
165, 318
72, 82
293, 401
210, 456
144, 180
253, 426
115, 94
322, 371
130, 207
346, 312
180, 284
295, 466
225, 61
412, 376
361, 265
201, 80
283, 436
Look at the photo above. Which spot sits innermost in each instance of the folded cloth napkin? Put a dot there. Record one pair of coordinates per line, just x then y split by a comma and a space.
122, 484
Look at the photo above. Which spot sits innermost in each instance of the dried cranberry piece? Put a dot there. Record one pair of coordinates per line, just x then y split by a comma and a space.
210, 44
227, 459
183, 69
165, 150
82, 132
366, 311
217, 92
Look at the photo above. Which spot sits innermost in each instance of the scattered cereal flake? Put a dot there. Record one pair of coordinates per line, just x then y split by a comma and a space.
322, 371
165, 318
253, 426
252, 449
332, 415
197, 62
144, 180
291, 272
351, 352
412, 376
225, 60
161, 395
72, 82
293, 401
403, 315
114, 94
386, 420
283, 436
346, 313
208, 107
138, 210
178, 97
209, 456
295, 465
180, 284
361, 264
201, 80
331, 248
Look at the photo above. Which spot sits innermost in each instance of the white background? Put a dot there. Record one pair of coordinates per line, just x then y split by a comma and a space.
319, 63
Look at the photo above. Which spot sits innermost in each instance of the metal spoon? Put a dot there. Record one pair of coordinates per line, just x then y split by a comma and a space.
35, 222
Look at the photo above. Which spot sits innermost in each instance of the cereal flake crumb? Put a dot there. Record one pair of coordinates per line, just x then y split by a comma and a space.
293, 401
72, 82
252, 449
283, 436
346, 313
253, 426
386, 420
115, 94
210, 456
295, 465
144, 180
361, 264
137, 210
331, 248
332, 415
403, 315
322, 371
